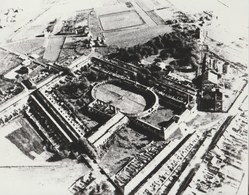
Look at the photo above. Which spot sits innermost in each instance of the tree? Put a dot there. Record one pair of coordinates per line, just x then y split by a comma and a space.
197, 81
145, 71
155, 50
141, 77
157, 75
80, 102
164, 54
84, 84
92, 76
158, 42
192, 62
155, 68
136, 57
170, 68
23, 70
158, 60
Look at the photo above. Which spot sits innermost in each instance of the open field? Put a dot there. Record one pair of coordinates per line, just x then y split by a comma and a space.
157, 19
94, 25
8, 61
126, 101
233, 87
111, 9
236, 53
53, 48
127, 142
28, 32
135, 36
205, 120
26, 139
230, 39
120, 20
149, 5
26, 46
165, 14
53, 178
20, 142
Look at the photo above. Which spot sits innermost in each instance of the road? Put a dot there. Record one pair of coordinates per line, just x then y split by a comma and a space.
195, 161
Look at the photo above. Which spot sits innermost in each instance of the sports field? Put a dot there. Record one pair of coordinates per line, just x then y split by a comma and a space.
120, 20
126, 101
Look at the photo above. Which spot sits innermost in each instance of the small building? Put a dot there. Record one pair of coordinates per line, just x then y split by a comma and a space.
200, 34
34, 56
210, 79
226, 68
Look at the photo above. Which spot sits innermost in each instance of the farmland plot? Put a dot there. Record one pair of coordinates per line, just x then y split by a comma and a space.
137, 36
112, 9
8, 61
53, 48
149, 5
120, 20
26, 46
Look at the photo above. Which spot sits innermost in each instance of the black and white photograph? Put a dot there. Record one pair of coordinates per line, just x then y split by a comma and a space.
124, 97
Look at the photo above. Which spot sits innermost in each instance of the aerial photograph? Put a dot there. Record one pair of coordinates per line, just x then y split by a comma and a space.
124, 97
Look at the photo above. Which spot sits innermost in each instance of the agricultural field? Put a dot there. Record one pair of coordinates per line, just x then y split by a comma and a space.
120, 20
166, 14
26, 46
135, 36
235, 52
26, 140
8, 61
27, 32
53, 178
53, 48
111, 9
21, 142
149, 5
157, 19
94, 25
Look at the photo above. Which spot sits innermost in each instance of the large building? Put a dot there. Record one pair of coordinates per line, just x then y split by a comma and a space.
102, 136
210, 98
138, 176
50, 123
